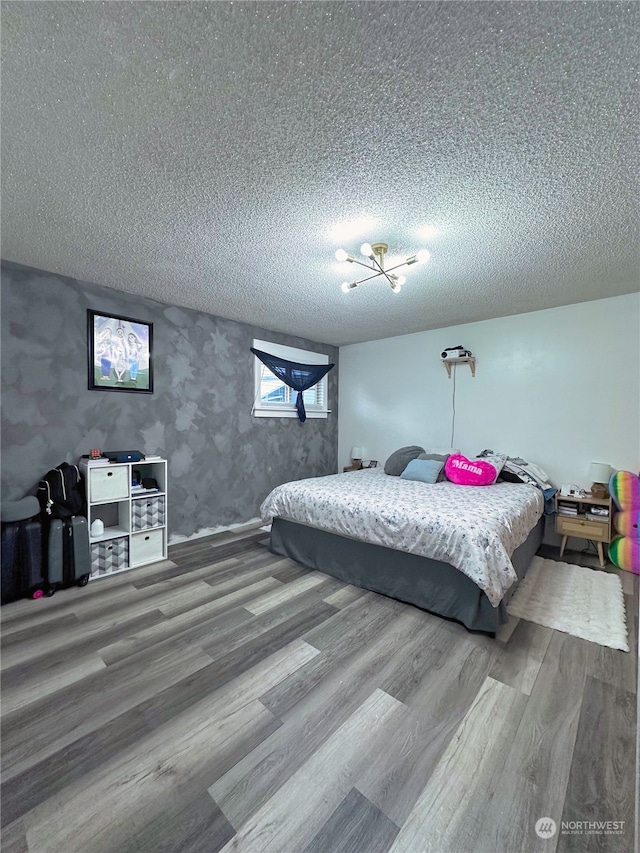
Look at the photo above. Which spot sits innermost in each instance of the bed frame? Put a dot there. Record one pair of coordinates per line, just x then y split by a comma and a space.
430, 584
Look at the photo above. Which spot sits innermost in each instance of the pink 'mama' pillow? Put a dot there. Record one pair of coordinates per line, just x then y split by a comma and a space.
470, 472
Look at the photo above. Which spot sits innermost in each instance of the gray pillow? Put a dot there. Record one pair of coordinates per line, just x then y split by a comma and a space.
437, 457
399, 460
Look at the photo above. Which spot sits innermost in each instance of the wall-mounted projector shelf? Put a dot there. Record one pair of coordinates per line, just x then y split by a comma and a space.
469, 359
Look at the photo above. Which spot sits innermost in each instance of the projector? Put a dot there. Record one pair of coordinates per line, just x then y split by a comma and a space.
454, 352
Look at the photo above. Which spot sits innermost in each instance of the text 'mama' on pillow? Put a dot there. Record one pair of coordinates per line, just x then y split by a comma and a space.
399, 459
472, 472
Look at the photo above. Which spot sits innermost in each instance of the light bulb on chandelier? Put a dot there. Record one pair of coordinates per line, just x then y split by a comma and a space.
420, 257
375, 252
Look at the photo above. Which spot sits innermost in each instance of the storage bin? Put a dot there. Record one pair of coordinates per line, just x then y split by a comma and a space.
108, 483
147, 512
147, 547
109, 556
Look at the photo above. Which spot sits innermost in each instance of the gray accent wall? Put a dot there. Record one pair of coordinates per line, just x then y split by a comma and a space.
222, 460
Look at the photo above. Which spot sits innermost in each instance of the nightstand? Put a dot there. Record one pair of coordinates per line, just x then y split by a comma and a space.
580, 525
352, 467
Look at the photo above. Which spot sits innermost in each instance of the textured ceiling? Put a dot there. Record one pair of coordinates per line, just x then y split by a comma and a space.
202, 153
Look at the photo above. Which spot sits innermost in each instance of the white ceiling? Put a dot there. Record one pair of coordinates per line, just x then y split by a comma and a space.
200, 153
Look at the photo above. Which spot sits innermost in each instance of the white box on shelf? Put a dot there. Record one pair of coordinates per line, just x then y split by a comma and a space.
108, 483
146, 547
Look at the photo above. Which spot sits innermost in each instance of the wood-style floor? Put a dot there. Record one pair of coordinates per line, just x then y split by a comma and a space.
227, 699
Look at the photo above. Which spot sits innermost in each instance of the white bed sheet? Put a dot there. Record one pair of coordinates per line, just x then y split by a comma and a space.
474, 528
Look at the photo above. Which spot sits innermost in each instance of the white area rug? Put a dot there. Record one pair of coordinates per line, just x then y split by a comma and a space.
579, 601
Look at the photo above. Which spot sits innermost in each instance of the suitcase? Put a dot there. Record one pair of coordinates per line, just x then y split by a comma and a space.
68, 554
22, 566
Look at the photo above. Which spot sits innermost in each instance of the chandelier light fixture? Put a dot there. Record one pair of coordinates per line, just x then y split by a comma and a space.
375, 252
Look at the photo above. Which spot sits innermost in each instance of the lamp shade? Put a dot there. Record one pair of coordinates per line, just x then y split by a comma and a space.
599, 472
356, 453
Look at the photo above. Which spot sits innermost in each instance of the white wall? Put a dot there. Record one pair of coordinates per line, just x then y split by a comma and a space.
559, 387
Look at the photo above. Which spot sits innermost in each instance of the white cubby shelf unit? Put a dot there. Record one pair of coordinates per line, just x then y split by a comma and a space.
134, 518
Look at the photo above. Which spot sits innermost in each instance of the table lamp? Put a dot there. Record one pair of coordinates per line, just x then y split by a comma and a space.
356, 455
599, 473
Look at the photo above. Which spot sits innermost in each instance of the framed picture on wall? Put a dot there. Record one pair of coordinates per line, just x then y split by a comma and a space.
120, 353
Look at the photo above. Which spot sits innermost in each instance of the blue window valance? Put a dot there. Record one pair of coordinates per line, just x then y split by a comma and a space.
298, 376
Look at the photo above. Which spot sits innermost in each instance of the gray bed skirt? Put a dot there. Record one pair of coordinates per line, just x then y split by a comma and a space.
430, 584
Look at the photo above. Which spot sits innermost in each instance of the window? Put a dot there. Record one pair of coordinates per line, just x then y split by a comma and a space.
274, 399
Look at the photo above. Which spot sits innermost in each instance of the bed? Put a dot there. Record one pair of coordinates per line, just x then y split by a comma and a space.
457, 551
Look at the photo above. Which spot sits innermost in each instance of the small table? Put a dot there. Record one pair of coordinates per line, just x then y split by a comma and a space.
581, 525
352, 467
